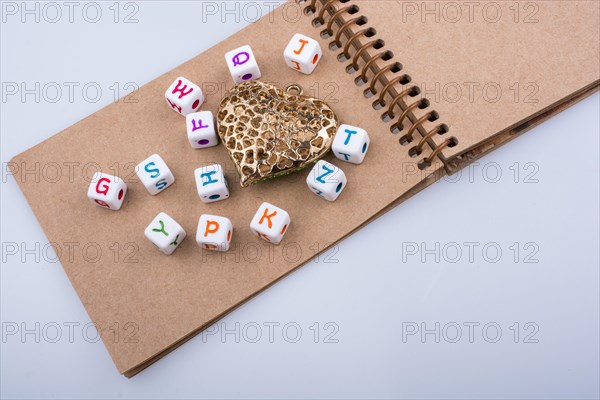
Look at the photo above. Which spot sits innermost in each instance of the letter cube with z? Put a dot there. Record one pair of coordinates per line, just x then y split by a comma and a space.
183, 96
201, 129
154, 174
165, 233
326, 180
107, 191
270, 223
214, 232
302, 54
211, 183
242, 64
350, 144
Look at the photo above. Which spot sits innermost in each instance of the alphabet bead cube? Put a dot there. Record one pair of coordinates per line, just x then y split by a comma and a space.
183, 96
350, 144
107, 191
214, 232
165, 233
211, 183
326, 180
242, 64
302, 54
270, 223
201, 129
154, 174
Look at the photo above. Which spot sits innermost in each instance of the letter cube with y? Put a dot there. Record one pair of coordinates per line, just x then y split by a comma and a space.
154, 174
211, 183
165, 233
201, 129
350, 144
214, 232
270, 223
302, 54
107, 191
183, 96
326, 180
242, 64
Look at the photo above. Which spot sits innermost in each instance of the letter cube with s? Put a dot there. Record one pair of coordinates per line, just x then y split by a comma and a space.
211, 183
214, 232
302, 54
154, 174
107, 191
183, 96
201, 129
326, 180
242, 64
270, 223
350, 144
165, 233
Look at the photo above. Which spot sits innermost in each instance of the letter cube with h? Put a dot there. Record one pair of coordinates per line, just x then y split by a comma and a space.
326, 180
211, 183
165, 233
154, 174
107, 191
214, 232
350, 144
270, 223
183, 96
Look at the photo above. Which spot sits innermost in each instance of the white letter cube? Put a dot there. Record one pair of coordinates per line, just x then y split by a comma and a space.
270, 223
214, 232
211, 183
302, 54
326, 180
350, 144
242, 64
165, 233
201, 129
154, 174
107, 191
183, 96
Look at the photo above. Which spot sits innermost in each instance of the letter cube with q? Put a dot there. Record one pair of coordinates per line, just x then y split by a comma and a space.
211, 183
154, 174
326, 180
302, 54
165, 233
350, 144
183, 96
270, 223
242, 64
107, 191
214, 232
201, 129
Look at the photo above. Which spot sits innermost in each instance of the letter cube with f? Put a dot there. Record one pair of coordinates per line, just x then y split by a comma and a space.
107, 191
211, 183
201, 129
165, 233
183, 96
270, 223
326, 180
214, 232
242, 64
350, 144
154, 174
302, 54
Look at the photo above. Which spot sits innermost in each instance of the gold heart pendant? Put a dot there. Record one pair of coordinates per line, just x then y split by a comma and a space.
271, 132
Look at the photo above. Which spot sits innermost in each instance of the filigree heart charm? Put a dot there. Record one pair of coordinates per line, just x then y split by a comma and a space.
270, 131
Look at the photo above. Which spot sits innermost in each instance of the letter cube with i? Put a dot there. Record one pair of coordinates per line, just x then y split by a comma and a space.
270, 223
242, 64
214, 232
154, 174
326, 180
165, 233
302, 54
350, 144
107, 191
184, 97
201, 129
211, 183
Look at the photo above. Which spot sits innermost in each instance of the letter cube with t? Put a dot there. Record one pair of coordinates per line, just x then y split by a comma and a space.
214, 232
154, 174
350, 144
302, 54
270, 223
165, 233
107, 191
201, 129
242, 64
326, 180
211, 183
184, 97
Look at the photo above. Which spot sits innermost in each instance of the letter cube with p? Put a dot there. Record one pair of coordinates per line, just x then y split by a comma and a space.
270, 223
201, 129
350, 144
165, 233
326, 180
211, 183
242, 64
214, 232
183, 96
107, 191
302, 54
154, 174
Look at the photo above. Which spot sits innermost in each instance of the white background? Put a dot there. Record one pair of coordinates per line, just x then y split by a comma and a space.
371, 291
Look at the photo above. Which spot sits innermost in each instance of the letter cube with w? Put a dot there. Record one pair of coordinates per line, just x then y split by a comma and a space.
183, 96
270, 223
326, 180
211, 183
107, 191
214, 232
165, 233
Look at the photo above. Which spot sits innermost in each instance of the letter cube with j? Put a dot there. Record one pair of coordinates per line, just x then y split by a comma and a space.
326, 180
270, 223
242, 64
154, 174
302, 54
107, 191
350, 144
165, 233
214, 232
211, 183
201, 129
183, 96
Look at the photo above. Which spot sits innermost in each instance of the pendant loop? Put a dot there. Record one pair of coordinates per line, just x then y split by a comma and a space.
293, 89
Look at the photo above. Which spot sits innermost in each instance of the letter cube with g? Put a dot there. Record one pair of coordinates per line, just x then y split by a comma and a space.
211, 183
302, 54
214, 232
165, 233
107, 191
183, 96
270, 223
326, 180
242, 64
154, 174
350, 144
201, 129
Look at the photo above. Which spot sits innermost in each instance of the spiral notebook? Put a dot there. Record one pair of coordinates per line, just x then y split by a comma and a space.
436, 85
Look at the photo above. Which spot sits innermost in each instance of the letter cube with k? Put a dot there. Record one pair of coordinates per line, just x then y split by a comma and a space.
350, 144
165, 233
211, 183
242, 64
183, 96
154, 174
214, 232
326, 180
107, 191
270, 223
201, 129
